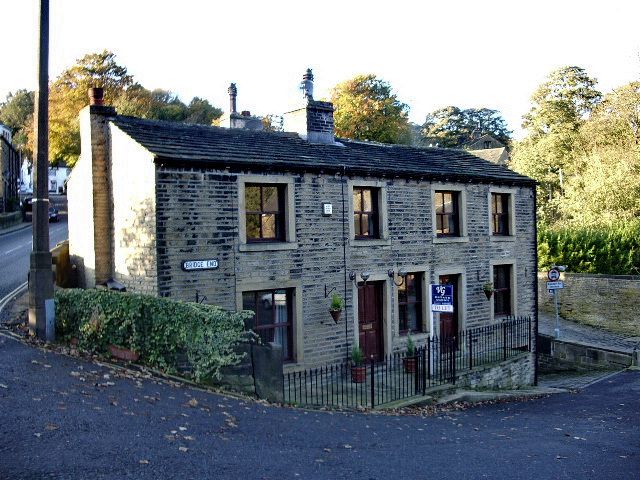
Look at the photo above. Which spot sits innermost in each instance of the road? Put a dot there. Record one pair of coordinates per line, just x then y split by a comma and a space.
15, 248
66, 418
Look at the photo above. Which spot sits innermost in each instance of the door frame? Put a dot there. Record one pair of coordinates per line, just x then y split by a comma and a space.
461, 294
380, 277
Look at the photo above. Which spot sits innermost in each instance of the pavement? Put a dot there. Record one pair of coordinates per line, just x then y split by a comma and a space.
585, 335
63, 417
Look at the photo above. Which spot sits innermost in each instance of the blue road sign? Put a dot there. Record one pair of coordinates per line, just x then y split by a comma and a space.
442, 298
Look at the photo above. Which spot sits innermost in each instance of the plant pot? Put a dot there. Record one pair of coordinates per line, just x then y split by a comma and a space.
488, 293
358, 374
335, 314
410, 364
123, 353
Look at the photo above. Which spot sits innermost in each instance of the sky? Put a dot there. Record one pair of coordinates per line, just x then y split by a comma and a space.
466, 53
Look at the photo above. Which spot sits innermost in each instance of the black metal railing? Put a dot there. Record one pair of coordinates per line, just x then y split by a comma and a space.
398, 376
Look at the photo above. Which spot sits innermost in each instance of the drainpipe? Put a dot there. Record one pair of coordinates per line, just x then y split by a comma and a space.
535, 272
344, 259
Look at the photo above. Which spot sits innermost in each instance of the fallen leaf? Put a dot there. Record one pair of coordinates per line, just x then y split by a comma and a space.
183, 449
182, 429
559, 457
346, 445
51, 426
189, 437
193, 403
37, 434
2, 385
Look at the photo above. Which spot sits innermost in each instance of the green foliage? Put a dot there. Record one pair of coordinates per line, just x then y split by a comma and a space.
452, 127
357, 356
337, 303
411, 347
16, 112
160, 330
366, 109
612, 250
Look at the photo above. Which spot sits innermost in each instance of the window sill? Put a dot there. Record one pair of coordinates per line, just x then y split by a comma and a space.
374, 242
267, 247
503, 238
451, 240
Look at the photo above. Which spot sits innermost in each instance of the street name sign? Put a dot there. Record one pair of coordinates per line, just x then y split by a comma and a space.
442, 298
555, 285
194, 265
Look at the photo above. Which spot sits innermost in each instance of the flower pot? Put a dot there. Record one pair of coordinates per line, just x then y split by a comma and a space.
489, 294
358, 374
335, 314
410, 363
123, 353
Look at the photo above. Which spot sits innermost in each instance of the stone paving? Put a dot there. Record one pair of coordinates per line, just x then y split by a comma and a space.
585, 335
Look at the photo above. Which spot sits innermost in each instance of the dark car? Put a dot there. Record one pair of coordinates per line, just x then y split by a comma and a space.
53, 214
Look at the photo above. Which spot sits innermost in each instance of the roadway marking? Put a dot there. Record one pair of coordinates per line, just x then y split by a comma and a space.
8, 297
14, 249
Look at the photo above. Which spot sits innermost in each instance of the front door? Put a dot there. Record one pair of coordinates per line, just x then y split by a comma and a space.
449, 321
370, 319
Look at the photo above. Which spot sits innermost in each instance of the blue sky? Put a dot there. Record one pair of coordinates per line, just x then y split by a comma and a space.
466, 53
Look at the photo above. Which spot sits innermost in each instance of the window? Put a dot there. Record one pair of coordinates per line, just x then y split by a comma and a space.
366, 213
447, 214
410, 304
502, 290
487, 144
500, 220
265, 213
273, 317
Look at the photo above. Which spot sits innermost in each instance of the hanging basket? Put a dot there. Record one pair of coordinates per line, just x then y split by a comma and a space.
489, 294
335, 314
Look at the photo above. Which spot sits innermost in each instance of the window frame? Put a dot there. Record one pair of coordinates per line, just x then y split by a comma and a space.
502, 292
383, 225
513, 286
374, 213
454, 215
288, 241
500, 218
511, 214
418, 304
280, 213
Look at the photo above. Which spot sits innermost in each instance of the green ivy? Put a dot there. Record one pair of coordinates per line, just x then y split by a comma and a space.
160, 330
611, 249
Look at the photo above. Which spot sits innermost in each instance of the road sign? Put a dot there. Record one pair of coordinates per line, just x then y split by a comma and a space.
192, 265
555, 285
442, 298
553, 275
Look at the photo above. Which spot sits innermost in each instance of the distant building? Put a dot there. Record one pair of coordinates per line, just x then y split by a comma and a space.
490, 149
57, 182
9, 171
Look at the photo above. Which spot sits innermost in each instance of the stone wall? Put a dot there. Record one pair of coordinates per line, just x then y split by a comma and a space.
559, 355
604, 301
198, 218
513, 373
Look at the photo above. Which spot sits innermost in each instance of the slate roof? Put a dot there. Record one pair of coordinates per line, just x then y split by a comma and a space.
493, 155
188, 144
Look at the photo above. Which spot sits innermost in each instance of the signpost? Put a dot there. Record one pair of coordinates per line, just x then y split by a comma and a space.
553, 285
440, 300
194, 265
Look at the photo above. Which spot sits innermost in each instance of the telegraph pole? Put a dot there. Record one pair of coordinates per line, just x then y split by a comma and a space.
41, 305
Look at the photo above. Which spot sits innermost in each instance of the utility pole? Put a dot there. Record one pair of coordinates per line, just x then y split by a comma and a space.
41, 305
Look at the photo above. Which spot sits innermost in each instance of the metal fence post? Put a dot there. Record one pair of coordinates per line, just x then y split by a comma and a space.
504, 342
373, 388
470, 348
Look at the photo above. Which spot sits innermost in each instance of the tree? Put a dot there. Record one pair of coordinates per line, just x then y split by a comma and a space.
366, 109
16, 112
68, 95
202, 112
452, 127
549, 154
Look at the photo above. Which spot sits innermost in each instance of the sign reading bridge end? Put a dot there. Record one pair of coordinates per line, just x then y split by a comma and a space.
195, 265
442, 298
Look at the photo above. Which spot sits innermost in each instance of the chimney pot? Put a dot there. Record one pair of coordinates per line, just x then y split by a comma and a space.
96, 96
233, 93
246, 113
307, 85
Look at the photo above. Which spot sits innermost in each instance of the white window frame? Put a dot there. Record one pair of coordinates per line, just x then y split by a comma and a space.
383, 218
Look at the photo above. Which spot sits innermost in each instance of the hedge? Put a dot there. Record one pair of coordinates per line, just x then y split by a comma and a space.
160, 330
610, 250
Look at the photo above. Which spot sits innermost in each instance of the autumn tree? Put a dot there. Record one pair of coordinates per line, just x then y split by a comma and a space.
367, 109
453, 127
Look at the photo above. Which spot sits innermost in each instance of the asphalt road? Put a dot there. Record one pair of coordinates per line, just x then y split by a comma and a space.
15, 248
64, 418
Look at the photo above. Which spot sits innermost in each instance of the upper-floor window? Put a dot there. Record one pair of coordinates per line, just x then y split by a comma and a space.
487, 144
447, 213
410, 304
366, 214
500, 215
265, 212
502, 290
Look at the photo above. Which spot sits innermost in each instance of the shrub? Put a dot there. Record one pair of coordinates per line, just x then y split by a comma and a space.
608, 249
159, 329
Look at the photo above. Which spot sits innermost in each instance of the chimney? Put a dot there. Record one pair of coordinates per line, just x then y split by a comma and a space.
314, 121
96, 96
233, 93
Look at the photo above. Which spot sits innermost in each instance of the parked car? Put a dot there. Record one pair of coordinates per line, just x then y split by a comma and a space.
53, 214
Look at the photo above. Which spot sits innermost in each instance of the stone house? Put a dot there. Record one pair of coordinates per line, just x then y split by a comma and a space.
490, 149
277, 222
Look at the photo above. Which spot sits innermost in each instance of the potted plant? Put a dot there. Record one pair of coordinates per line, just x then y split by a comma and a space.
358, 368
337, 303
411, 359
488, 289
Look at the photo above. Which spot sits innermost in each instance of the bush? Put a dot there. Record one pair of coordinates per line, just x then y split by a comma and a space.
159, 329
611, 249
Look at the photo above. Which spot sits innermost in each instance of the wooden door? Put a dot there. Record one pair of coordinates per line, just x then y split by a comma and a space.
370, 320
449, 321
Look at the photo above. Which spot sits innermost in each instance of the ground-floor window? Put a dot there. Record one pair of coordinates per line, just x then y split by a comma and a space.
410, 304
273, 317
502, 293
